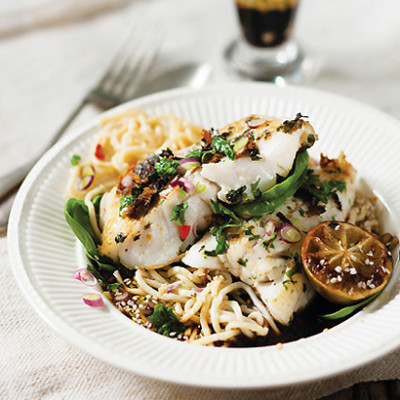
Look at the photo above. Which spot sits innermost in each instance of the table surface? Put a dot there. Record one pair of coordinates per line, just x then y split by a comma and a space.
351, 46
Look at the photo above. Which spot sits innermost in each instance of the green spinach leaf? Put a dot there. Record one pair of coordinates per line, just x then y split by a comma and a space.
273, 198
346, 311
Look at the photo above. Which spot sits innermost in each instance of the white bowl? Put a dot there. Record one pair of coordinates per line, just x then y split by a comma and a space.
45, 253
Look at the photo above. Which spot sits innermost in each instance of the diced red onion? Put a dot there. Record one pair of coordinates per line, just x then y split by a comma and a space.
187, 160
188, 184
269, 227
85, 276
256, 122
93, 300
86, 177
289, 233
185, 183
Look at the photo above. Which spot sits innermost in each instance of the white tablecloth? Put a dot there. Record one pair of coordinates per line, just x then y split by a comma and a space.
52, 52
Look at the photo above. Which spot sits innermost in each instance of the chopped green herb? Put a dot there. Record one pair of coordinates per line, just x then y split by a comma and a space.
166, 168
242, 262
255, 191
269, 243
75, 160
120, 238
218, 208
114, 286
221, 237
178, 213
322, 190
329, 186
236, 196
223, 147
126, 201
290, 126
301, 212
165, 321
292, 271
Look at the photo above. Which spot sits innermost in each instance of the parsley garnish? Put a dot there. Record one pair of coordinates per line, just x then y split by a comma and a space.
289, 273
236, 196
75, 160
114, 286
218, 208
290, 126
219, 232
165, 321
120, 238
242, 262
255, 191
166, 167
178, 213
223, 147
268, 243
221, 237
323, 190
126, 201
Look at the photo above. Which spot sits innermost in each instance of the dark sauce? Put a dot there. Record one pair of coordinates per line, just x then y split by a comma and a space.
305, 324
268, 28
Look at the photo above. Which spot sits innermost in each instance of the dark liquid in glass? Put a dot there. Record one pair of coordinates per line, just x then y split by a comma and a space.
268, 28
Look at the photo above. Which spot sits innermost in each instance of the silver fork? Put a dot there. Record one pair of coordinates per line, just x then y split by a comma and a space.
120, 82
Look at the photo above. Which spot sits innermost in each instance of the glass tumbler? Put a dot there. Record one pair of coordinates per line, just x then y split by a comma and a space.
265, 49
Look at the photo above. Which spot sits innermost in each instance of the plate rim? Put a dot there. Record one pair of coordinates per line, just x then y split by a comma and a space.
44, 310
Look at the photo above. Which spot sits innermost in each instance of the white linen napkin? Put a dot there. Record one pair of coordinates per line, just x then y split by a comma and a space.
17, 16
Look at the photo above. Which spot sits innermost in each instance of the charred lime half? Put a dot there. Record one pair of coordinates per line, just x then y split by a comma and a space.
345, 263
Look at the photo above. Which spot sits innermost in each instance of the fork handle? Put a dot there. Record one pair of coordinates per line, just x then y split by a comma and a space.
10, 182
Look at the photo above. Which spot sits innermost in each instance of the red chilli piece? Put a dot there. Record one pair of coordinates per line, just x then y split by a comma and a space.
184, 231
99, 152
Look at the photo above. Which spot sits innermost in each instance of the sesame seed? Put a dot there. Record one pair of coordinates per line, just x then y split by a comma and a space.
338, 269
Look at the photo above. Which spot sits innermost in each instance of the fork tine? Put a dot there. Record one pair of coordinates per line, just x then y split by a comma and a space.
135, 75
119, 56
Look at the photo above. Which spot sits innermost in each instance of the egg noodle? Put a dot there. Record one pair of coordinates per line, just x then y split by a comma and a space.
212, 306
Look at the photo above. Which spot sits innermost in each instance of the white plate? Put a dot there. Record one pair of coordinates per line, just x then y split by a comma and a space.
44, 251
